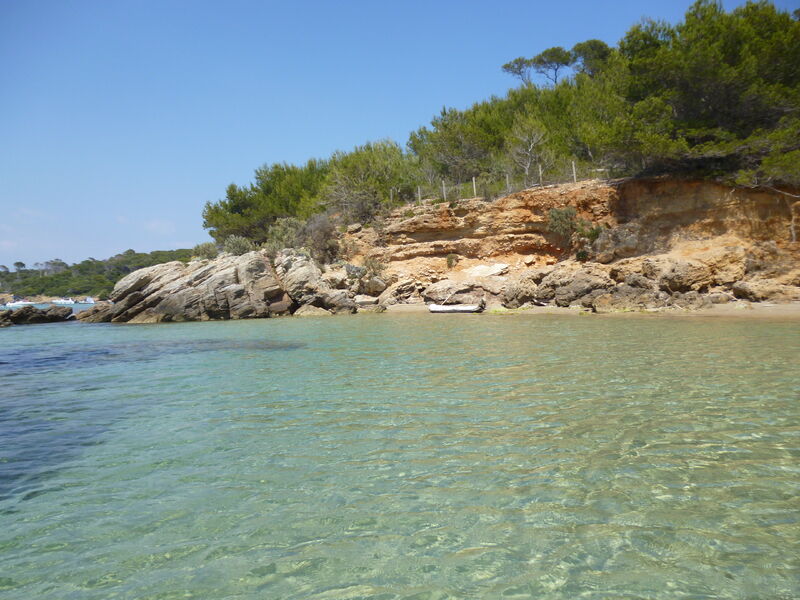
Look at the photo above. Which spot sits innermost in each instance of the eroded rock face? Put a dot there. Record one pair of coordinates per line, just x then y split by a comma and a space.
759, 290
29, 315
710, 275
618, 242
309, 310
229, 287
405, 291
303, 281
454, 292
524, 288
698, 236
626, 298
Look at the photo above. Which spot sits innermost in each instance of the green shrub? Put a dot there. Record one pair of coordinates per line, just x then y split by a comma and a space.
582, 255
347, 248
205, 250
285, 232
452, 260
408, 214
586, 230
236, 244
561, 221
320, 236
374, 267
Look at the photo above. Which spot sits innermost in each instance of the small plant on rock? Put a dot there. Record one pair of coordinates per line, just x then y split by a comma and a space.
374, 267
452, 260
205, 250
237, 245
585, 230
562, 221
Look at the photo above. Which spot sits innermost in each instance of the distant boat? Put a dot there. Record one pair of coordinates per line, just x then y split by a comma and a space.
87, 300
19, 303
455, 308
63, 301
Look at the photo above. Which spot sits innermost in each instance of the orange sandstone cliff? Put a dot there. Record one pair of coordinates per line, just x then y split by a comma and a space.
680, 236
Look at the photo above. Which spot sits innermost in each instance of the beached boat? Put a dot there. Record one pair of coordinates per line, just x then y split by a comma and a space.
63, 301
87, 300
455, 308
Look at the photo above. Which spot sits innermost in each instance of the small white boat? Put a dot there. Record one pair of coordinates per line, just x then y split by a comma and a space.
63, 301
19, 303
87, 300
455, 308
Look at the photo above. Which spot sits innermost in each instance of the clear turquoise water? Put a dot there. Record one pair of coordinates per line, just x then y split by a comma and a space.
407, 456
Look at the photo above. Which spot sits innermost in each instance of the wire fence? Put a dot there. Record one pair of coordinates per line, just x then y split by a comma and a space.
490, 187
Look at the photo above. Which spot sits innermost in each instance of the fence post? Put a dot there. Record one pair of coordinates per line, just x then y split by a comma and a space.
391, 196
444, 191
508, 185
474, 189
540, 172
419, 195
574, 176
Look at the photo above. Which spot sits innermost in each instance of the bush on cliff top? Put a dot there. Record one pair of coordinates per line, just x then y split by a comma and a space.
206, 250
236, 244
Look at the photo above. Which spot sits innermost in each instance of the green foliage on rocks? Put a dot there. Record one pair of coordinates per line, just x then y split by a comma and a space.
285, 232
236, 244
562, 221
373, 267
205, 250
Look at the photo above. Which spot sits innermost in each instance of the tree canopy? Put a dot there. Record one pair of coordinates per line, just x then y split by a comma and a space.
715, 95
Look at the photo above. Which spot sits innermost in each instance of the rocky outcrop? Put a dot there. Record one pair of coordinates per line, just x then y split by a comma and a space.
29, 315
309, 310
709, 275
303, 281
229, 287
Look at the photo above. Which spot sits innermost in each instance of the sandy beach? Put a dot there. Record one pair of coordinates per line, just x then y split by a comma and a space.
737, 310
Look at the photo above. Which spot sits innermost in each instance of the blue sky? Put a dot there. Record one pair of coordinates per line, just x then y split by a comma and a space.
119, 120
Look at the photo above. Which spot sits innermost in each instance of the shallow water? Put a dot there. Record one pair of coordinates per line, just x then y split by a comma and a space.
401, 456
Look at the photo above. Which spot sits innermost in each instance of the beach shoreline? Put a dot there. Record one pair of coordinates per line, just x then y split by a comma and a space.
737, 310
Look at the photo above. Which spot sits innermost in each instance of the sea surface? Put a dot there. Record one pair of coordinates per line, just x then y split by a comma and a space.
401, 457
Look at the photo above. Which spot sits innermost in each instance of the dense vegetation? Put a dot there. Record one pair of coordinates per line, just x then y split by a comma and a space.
90, 277
717, 95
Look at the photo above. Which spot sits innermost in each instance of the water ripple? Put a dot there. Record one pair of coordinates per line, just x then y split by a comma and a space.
403, 457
